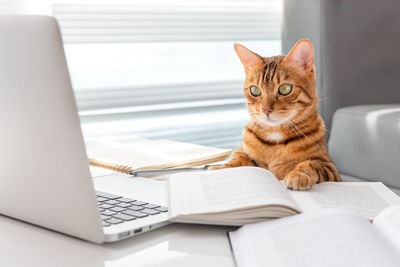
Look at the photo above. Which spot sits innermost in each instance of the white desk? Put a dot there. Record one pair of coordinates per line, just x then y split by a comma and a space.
22, 244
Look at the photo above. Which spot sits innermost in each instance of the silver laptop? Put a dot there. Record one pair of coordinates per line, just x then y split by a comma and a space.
45, 178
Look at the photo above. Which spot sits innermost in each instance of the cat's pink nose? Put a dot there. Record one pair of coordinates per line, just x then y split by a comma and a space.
268, 111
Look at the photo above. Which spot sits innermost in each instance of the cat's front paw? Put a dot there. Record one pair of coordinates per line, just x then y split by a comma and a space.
298, 180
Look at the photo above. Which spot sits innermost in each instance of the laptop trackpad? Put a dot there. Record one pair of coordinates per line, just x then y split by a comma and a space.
132, 187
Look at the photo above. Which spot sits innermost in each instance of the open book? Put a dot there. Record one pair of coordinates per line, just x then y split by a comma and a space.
127, 157
332, 237
243, 195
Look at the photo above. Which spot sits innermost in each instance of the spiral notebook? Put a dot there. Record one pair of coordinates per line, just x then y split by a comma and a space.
153, 154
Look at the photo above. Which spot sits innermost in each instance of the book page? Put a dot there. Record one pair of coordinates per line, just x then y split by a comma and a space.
328, 238
366, 198
388, 223
226, 189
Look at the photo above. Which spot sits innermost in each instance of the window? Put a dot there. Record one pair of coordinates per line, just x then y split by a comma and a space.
164, 68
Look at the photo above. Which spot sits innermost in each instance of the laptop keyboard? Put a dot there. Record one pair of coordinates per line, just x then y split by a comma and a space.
116, 209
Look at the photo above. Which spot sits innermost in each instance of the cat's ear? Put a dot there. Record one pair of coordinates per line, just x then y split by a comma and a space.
249, 59
302, 54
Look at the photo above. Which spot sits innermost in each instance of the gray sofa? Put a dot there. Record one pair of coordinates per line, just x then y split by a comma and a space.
357, 58
365, 143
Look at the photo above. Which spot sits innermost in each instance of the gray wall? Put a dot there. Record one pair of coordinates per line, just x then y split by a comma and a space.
296, 27
357, 49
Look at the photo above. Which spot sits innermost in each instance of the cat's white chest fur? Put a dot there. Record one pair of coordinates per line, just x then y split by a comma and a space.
274, 136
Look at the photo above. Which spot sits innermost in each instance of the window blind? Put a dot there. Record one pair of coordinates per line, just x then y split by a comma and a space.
164, 21
164, 69
197, 113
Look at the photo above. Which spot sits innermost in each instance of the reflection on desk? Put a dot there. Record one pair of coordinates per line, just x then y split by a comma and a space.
175, 245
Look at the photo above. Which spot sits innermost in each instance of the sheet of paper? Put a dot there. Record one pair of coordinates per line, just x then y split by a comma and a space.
227, 189
366, 198
388, 223
328, 238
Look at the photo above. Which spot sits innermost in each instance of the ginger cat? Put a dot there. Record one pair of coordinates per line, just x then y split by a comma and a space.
285, 135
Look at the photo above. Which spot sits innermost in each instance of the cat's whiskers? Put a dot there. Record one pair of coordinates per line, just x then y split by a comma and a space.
296, 128
276, 122
258, 121
289, 117
301, 122
293, 130
305, 136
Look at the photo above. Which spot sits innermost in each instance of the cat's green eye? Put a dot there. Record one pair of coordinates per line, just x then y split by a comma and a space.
255, 91
285, 89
